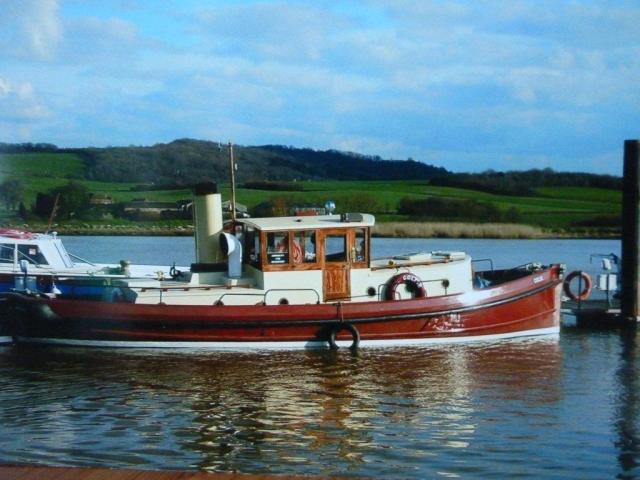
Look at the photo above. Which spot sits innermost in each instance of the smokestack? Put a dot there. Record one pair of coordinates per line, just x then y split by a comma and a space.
207, 214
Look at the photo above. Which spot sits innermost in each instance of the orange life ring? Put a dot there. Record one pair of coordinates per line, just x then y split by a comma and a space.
413, 283
587, 285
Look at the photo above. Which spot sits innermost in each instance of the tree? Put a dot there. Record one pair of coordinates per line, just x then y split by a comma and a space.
11, 192
22, 211
73, 201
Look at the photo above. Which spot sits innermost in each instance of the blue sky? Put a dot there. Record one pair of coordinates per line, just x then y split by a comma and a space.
508, 85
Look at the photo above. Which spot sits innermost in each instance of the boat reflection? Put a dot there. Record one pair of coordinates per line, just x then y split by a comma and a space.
627, 405
257, 412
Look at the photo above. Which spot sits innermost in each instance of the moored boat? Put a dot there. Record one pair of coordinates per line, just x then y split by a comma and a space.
40, 262
304, 281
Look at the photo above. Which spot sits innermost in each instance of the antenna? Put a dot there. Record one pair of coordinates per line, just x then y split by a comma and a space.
233, 167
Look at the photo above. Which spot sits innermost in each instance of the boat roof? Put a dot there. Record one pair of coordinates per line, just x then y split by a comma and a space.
307, 222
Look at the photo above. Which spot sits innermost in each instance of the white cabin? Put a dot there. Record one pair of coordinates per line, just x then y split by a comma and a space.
298, 260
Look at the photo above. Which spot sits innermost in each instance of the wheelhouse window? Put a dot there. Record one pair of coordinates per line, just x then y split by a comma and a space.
277, 248
31, 253
6, 252
360, 247
335, 247
304, 247
251, 249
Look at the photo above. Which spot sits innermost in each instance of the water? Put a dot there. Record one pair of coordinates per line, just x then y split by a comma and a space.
541, 408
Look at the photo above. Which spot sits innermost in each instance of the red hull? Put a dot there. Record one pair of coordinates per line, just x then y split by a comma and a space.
528, 305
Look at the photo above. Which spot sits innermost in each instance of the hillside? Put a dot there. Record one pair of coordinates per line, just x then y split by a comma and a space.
579, 203
187, 161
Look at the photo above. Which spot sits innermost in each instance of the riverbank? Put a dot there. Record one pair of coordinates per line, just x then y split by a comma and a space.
383, 229
458, 230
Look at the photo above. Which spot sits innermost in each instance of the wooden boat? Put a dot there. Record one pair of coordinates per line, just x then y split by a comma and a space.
296, 282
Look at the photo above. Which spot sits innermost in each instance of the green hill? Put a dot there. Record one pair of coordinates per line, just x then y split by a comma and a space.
306, 177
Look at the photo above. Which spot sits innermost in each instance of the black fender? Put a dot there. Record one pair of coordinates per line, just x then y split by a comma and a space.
333, 333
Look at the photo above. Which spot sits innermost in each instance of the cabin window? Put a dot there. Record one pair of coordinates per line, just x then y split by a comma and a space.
304, 247
335, 247
360, 247
251, 248
31, 253
278, 248
6, 252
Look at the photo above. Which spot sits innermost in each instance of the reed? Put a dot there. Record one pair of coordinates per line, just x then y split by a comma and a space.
457, 230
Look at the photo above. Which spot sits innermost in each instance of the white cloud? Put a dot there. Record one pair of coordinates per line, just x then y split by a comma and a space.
18, 102
104, 42
30, 28
396, 78
287, 32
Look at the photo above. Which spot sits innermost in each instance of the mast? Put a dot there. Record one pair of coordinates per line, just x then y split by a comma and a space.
54, 210
232, 166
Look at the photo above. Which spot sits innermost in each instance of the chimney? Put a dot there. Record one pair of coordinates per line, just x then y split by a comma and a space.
207, 214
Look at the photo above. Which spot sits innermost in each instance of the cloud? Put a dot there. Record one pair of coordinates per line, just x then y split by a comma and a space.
30, 28
18, 103
523, 82
103, 42
287, 32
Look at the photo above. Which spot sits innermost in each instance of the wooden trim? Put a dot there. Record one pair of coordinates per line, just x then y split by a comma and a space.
319, 263
290, 265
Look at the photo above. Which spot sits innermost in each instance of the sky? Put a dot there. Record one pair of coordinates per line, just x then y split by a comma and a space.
466, 85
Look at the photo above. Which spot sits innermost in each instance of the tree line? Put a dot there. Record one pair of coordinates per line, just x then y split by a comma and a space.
186, 161
524, 183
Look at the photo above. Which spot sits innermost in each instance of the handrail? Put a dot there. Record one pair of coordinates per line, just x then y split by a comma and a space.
162, 289
81, 259
264, 295
443, 281
409, 264
484, 260
292, 290
29, 259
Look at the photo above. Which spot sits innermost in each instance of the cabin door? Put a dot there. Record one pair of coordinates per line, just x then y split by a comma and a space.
336, 270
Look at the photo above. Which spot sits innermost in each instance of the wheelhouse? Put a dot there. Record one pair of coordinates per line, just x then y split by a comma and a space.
306, 243
40, 251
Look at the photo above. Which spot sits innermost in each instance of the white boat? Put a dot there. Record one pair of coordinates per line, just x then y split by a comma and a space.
40, 262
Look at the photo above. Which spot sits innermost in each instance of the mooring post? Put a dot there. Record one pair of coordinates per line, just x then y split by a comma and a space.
630, 302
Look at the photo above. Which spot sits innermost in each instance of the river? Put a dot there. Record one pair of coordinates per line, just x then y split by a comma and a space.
564, 407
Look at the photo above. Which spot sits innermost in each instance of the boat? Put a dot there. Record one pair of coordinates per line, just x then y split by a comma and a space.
295, 282
40, 262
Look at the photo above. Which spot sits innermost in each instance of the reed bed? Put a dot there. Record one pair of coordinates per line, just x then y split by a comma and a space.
457, 230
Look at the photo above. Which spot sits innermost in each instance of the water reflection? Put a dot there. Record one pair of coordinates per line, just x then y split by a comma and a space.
627, 408
382, 413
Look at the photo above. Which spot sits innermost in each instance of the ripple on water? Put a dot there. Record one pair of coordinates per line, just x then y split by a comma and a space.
523, 409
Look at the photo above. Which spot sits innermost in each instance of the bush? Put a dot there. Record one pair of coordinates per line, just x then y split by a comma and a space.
73, 201
442, 208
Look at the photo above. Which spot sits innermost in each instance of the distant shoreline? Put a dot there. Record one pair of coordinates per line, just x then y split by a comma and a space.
385, 230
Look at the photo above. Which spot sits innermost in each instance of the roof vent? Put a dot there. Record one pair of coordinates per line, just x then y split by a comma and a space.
351, 217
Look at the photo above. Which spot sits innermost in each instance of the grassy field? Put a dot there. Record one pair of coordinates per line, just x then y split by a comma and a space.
559, 209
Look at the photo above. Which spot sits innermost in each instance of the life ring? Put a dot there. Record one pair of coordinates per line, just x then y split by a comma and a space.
587, 285
413, 283
355, 335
